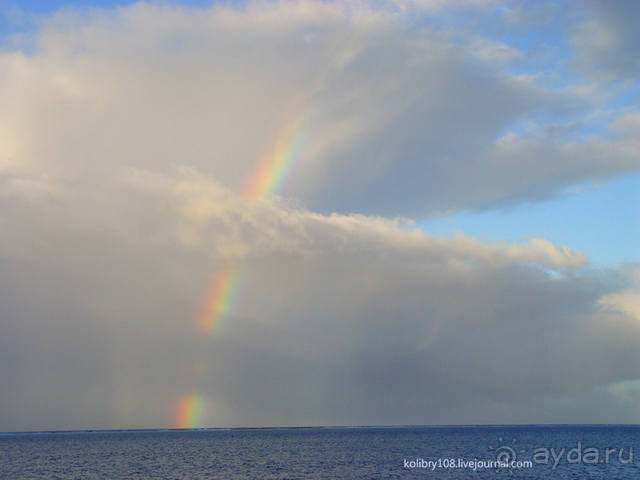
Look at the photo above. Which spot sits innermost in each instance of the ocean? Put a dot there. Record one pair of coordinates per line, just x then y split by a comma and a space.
488, 452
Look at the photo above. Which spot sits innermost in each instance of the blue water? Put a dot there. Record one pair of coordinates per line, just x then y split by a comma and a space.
555, 452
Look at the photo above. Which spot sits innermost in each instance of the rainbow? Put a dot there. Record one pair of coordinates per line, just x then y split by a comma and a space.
267, 179
188, 411
219, 300
274, 168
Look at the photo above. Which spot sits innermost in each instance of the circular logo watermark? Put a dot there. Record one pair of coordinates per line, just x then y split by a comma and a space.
506, 453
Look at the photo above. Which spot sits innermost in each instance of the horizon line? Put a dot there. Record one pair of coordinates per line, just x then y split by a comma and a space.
311, 427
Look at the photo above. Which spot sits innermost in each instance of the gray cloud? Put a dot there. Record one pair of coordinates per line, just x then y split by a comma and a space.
340, 319
608, 42
125, 137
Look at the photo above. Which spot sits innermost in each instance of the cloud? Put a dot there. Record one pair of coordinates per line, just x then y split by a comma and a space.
396, 120
126, 139
626, 300
340, 319
608, 41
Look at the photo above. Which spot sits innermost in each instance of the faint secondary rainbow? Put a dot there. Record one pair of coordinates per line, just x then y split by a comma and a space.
188, 411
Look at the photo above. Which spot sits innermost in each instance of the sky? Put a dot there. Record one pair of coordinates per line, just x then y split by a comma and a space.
275, 213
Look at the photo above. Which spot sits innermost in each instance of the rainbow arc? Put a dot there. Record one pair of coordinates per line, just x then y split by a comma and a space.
268, 178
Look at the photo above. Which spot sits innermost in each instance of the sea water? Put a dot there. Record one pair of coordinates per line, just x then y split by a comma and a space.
492, 452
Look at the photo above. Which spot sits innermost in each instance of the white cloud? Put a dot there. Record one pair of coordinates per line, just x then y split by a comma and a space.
489, 50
